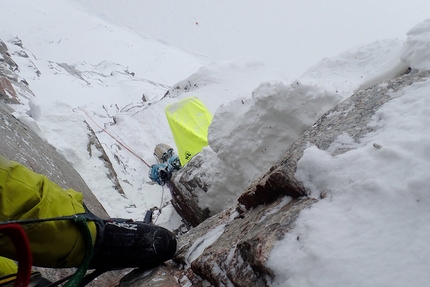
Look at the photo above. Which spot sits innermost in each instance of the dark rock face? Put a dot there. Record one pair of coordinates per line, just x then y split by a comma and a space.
20, 143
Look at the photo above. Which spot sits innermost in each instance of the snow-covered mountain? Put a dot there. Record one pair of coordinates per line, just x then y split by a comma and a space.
109, 64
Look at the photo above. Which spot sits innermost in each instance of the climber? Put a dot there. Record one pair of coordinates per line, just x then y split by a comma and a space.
167, 163
30, 199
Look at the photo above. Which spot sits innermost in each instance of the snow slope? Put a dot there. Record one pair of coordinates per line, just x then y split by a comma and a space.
289, 35
111, 66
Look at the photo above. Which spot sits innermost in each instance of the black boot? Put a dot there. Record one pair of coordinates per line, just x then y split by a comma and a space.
123, 244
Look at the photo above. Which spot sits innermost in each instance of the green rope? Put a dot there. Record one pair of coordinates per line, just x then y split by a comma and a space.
77, 278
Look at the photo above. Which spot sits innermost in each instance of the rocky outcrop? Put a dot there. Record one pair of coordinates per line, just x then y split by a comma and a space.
243, 243
231, 248
351, 117
184, 185
11, 85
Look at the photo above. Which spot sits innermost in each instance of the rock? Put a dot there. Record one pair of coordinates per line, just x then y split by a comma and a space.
7, 92
184, 186
231, 248
351, 117
270, 187
6, 58
20, 143
3, 47
9, 80
161, 276
238, 256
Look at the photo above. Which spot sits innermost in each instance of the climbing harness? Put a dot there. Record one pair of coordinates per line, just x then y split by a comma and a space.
15, 231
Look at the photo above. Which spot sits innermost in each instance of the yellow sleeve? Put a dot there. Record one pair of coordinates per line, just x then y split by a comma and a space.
7, 267
25, 194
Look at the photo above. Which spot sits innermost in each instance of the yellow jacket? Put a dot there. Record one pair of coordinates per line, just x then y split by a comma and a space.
25, 195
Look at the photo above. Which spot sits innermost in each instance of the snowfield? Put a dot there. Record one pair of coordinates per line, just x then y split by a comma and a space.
267, 71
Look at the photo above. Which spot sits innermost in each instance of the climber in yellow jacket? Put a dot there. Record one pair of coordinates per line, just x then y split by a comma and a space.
118, 243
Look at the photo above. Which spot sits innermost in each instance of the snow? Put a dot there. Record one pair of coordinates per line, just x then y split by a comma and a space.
416, 51
290, 35
275, 209
267, 71
200, 244
372, 229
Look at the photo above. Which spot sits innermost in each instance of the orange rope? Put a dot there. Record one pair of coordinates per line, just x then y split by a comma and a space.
118, 141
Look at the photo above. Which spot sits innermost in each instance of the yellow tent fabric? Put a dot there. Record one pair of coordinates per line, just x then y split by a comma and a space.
189, 121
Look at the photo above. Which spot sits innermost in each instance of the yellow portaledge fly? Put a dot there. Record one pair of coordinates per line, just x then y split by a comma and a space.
189, 121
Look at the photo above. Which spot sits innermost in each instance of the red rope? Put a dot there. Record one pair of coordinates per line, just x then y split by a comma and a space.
118, 141
19, 239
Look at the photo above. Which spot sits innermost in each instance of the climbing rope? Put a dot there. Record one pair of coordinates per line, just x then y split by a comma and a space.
117, 138
161, 205
77, 278
159, 173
